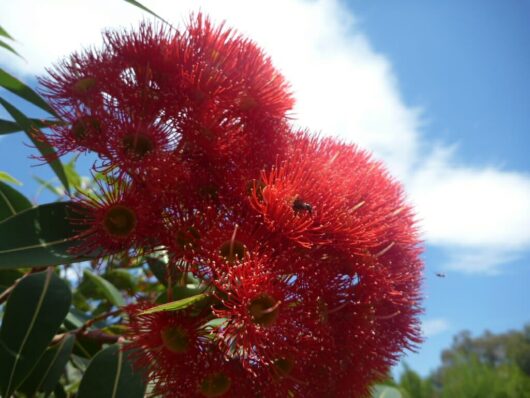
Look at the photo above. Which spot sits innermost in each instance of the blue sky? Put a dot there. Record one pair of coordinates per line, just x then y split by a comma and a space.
439, 90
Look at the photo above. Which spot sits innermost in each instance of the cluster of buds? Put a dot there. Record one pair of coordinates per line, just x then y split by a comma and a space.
306, 247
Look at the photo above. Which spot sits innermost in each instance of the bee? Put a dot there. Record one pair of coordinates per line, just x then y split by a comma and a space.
440, 275
300, 205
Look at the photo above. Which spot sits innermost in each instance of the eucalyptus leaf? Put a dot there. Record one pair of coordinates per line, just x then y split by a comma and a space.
39, 140
11, 201
4, 33
47, 372
109, 290
4, 176
20, 89
176, 305
110, 375
8, 127
144, 8
40, 236
34, 311
10, 49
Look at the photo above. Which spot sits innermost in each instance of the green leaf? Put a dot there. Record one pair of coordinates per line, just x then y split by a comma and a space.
11, 201
158, 267
9, 178
8, 278
180, 292
9, 48
111, 293
39, 237
34, 312
382, 391
49, 186
110, 375
144, 8
4, 33
176, 305
121, 278
74, 179
39, 140
8, 127
20, 89
48, 370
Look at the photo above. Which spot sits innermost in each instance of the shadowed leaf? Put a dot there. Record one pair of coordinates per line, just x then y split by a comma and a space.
34, 311
111, 293
20, 89
39, 236
11, 201
48, 370
110, 375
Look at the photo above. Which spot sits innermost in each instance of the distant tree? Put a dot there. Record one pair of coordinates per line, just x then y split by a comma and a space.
488, 366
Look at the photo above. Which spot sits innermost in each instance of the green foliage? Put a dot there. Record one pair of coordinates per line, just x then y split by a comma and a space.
38, 139
110, 375
35, 310
11, 201
38, 237
492, 365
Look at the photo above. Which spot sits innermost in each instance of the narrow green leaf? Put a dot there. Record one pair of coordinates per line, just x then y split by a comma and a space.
47, 372
74, 179
49, 186
34, 312
382, 391
176, 305
8, 127
110, 375
40, 236
4, 33
180, 292
111, 293
11, 201
20, 89
158, 267
39, 140
144, 8
4, 176
10, 49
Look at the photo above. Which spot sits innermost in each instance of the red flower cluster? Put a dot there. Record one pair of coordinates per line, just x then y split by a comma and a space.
309, 252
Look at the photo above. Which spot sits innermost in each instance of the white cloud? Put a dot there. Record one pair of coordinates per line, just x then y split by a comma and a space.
435, 326
343, 87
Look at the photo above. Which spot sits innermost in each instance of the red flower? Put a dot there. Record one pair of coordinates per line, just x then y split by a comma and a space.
265, 314
174, 351
115, 218
307, 246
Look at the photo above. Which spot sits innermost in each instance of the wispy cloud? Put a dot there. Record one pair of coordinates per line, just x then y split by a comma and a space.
435, 326
344, 88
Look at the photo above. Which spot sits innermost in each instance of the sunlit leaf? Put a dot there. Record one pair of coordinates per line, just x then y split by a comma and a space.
144, 8
10, 49
176, 305
4, 33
